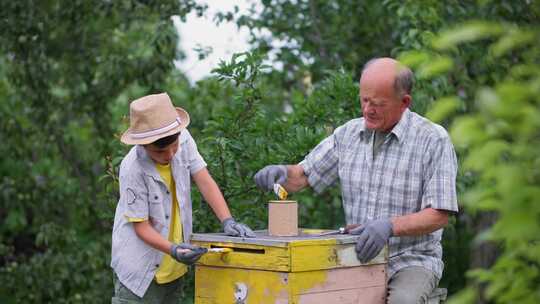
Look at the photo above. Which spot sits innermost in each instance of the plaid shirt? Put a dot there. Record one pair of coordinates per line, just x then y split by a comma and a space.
414, 169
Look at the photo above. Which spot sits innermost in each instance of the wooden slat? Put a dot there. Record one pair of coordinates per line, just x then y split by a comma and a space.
247, 256
327, 256
343, 278
358, 285
372, 295
365, 284
292, 254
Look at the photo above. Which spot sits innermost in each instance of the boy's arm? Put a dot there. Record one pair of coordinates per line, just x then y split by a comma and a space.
150, 236
183, 253
211, 193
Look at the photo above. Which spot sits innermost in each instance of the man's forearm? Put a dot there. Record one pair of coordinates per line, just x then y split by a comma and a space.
419, 223
296, 179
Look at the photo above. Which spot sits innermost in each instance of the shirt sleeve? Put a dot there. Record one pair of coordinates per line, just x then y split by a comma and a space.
194, 158
134, 196
321, 164
440, 180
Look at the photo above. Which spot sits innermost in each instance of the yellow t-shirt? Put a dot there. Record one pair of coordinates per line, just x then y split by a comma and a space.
169, 269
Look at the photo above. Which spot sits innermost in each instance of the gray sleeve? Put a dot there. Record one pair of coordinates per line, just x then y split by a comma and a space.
321, 164
134, 196
195, 161
440, 177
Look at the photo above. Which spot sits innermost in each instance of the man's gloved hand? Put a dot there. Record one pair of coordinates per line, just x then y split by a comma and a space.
232, 228
270, 175
372, 238
187, 253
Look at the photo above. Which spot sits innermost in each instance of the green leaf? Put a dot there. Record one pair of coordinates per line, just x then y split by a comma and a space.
16, 220
467, 131
435, 66
413, 59
512, 40
467, 32
465, 296
482, 157
443, 108
59, 92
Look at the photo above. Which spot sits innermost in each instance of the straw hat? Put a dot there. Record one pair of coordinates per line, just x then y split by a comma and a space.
153, 117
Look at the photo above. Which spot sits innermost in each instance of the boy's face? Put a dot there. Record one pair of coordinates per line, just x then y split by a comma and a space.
162, 156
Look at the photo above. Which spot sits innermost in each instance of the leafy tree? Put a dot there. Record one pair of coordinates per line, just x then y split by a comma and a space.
498, 137
69, 69
316, 36
64, 69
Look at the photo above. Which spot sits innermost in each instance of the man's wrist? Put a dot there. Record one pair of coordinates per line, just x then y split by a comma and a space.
392, 232
390, 225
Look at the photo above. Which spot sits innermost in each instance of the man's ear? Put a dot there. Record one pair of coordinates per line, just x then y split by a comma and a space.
406, 101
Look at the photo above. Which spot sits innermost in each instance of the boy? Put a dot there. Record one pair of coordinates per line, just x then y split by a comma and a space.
152, 225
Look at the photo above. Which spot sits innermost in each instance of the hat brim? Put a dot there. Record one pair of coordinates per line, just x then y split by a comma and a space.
129, 140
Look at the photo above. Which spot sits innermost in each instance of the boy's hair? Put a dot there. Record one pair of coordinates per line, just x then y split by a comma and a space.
165, 141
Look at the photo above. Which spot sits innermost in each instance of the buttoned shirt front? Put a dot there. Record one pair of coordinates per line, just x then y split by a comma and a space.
144, 195
415, 168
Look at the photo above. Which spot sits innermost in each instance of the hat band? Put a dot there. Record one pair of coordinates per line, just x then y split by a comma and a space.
154, 132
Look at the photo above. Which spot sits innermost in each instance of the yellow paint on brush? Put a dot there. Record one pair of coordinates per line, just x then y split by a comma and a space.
219, 250
280, 192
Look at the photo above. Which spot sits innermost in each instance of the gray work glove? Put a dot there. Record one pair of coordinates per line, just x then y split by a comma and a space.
232, 228
187, 253
270, 175
372, 238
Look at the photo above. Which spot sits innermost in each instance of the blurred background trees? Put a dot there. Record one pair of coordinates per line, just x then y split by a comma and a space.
69, 69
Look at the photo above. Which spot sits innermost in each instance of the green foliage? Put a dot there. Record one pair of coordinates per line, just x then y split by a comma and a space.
69, 69
250, 130
65, 70
319, 36
70, 270
499, 137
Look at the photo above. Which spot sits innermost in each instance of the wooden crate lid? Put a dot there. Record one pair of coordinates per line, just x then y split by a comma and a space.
306, 237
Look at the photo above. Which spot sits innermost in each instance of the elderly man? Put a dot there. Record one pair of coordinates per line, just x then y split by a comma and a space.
397, 173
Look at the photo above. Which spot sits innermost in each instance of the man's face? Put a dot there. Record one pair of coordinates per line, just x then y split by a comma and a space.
381, 107
162, 156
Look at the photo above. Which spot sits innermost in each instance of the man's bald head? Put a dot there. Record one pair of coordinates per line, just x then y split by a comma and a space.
385, 87
389, 69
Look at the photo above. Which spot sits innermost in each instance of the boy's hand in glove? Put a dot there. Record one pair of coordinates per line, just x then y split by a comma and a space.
186, 253
232, 228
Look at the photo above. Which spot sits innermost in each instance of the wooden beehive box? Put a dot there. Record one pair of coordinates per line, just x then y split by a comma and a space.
304, 269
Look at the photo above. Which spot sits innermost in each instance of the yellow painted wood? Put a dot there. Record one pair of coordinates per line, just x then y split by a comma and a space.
297, 255
327, 254
247, 256
287, 270
217, 285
